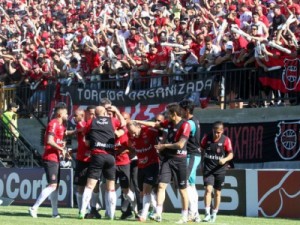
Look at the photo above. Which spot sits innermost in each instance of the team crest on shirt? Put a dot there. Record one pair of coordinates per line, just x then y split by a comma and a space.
53, 177
220, 144
218, 150
291, 74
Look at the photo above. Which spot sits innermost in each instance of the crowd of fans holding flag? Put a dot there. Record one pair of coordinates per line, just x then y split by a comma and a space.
60, 42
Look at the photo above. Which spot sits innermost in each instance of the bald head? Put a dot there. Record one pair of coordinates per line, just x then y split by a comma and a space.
126, 116
100, 111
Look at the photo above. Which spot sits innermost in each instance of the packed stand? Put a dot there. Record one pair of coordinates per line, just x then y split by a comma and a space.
64, 42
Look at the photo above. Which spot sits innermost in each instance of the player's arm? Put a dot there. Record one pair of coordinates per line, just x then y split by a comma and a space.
52, 143
115, 110
148, 123
186, 129
228, 150
178, 145
119, 132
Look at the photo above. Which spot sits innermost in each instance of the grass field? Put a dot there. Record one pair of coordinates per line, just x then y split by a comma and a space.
18, 215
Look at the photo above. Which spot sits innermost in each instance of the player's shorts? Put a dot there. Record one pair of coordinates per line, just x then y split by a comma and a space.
123, 174
176, 168
193, 162
81, 170
216, 180
148, 175
52, 170
102, 164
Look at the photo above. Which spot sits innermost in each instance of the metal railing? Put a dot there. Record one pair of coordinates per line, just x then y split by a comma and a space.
232, 87
15, 150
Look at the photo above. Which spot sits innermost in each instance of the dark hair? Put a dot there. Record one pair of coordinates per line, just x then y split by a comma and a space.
90, 107
218, 124
174, 108
104, 101
207, 39
187, 104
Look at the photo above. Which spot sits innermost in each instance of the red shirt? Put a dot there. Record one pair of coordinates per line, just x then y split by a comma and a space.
144, 146
83, 151
121, 145
163, 55
92, 59
57, 130
152, 59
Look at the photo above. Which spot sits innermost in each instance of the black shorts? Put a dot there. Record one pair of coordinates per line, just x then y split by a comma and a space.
175, 168
81, 171
52, 170
123, 174
148, 175
216, 180
102, 164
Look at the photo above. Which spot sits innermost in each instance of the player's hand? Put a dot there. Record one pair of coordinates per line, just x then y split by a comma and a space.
159, 147
222, 161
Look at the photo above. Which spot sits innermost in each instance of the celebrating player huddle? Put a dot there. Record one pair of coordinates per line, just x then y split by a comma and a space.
166, 150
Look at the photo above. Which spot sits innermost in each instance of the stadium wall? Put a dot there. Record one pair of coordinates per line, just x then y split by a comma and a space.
254, 193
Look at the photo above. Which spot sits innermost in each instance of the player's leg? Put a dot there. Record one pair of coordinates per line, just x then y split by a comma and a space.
51, 170
208, 185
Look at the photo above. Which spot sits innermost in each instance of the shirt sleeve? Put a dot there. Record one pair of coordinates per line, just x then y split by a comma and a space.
227, 145
186, 129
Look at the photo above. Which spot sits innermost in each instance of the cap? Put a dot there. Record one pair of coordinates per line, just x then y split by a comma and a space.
183, 21
13, 105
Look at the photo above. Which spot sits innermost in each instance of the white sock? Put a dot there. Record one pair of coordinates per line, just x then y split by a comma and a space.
215, 211
79, 200
130, 197
193, 199
44, 194
94, 199
146, 205
54, 202
207, 210
86, 197
153, 201
159, 209
107, 208
184, 213
112, 198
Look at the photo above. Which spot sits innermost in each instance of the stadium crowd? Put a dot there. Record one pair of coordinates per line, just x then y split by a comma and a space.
57, 42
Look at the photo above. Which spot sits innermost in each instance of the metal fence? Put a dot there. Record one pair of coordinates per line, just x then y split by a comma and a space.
232, 88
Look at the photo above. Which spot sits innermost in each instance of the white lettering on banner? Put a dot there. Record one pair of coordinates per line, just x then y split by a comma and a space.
148, 113
27, 189
228, 193
1, 187
160, 92
174, 198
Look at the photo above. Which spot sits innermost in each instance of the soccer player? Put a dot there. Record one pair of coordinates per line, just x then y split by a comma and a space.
101, 138
54, 150
174, 162
123, 167
193, 158
83, 159
142, 140
217, 151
